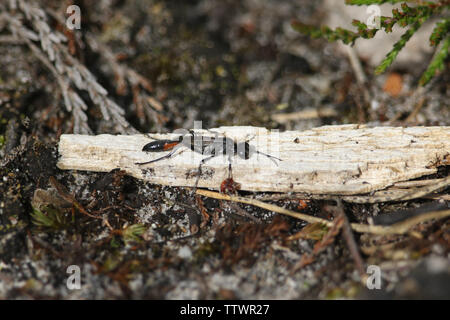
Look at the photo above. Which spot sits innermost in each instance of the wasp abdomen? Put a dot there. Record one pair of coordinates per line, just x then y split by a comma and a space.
160, 145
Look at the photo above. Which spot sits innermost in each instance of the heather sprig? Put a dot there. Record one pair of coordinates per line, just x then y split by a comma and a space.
437, 63
406, 16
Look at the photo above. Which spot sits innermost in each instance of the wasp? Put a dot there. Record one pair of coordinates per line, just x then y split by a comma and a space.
205, 145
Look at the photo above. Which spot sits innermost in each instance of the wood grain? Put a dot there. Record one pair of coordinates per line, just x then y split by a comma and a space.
333, 160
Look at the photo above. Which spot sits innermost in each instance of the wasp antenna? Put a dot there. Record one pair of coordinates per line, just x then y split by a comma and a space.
269, 156
151, 137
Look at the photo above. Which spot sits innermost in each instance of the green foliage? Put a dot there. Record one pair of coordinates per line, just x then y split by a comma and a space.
437, 64
133, 233
49, 218
439, 32
412, 17
346, 36
397, 47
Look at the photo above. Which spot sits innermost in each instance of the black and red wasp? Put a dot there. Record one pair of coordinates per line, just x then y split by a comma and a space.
205, 145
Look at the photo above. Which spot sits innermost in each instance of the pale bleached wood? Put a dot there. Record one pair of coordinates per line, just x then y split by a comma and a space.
336, 160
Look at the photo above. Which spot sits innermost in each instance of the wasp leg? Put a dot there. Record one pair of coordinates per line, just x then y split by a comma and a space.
167, 156
230, 173
199, 171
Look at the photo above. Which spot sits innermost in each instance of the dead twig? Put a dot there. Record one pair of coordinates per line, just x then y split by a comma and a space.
307, 114
416, 110
400, 194
70, 198
400, 191
347, 234
362, 81
29, 23
243, 213
320, 245
397, 228
264, 205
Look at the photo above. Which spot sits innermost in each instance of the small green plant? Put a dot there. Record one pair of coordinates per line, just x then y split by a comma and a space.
412, 17
2, 141
133, 233
49, 218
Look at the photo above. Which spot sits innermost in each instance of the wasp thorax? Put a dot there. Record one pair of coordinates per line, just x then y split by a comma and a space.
244, 150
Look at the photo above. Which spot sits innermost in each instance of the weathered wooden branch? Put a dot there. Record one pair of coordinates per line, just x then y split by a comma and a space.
343, 160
